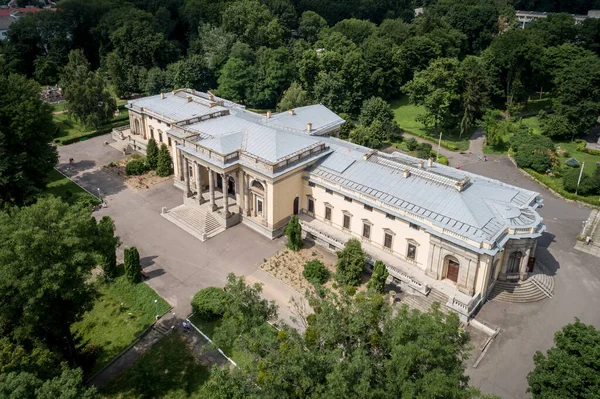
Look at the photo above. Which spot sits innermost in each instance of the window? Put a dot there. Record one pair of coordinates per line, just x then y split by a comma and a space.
347, 199
168, 138
369, 208
387, 240
160, 136
328, 213
311, 205
411, 253
347, 222
259, 205
514, 262
329, 191
366, 231
151, 132
332, 247
391, 217
413, 226
190, 171
311, 184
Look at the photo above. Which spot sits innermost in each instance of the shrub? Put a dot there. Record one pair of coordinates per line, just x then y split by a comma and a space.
423, 150
350, 290
209, 303
163, 166
135, 167
132, 265
152, 154
443, 160
293, 231
351, 261
378, 278
315, 272
572, 162
411, 144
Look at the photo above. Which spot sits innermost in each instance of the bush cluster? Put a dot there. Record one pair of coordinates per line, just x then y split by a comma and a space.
572, 162
315, 272
209, 303
136, 167
534, 152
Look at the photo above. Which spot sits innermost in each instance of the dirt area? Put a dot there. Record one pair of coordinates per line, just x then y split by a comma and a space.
287, 266
145, 181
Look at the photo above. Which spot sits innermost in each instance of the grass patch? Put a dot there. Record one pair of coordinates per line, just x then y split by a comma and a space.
120, 312
168, 370
208, 327
69, 129
556, 184
589, 159
57, 107
405, 114
63, 188
533, 122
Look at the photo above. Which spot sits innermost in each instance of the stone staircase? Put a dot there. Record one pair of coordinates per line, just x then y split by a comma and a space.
537, 287
199, 221
423, 303
162, 329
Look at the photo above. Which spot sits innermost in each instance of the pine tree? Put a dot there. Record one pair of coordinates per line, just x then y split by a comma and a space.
163, 167
107, 246
293, 231
378, 278
152, 154
132, 265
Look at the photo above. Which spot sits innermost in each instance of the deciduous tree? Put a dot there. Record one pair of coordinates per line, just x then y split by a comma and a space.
570, 369
311, 24
26, 129
351, 262
295, 96
47, 256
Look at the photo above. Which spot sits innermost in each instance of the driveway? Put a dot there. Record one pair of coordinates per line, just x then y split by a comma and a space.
178, 264
527, 328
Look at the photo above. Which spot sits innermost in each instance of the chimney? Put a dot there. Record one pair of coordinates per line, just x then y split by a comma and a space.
406, 172
268, 114
162, 95
193, 91
309, 127
189, 99
430, 162
211, 96
421, 162
291, 111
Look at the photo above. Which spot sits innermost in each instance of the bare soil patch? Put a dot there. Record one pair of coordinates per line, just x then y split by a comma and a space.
287, 266
138, 183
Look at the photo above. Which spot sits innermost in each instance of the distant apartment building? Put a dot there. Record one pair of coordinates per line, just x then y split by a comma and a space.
525, 17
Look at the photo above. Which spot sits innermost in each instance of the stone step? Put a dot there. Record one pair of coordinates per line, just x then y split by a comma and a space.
164, 330
520, 292
438, 296
424, 303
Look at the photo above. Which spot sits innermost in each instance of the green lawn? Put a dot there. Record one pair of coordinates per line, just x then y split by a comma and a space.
168, 371
208, 327
532, 122
70, 128
589, 159
58, 106
62, 187
405, 114
120, 313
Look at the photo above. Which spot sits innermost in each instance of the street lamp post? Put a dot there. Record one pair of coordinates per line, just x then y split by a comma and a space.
99, 194
579, 180
437, 156
156, 306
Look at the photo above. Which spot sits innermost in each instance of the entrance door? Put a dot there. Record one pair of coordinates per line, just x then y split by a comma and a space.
231, 187
219, 182
296, 205
453, 268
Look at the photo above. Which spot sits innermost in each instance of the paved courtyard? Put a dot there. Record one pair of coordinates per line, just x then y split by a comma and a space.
179, 264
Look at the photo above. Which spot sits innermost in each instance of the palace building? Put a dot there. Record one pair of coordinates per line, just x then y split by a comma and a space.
435, 227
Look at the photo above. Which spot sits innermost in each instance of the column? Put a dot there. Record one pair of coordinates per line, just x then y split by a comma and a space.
246, 194
523, 267
211, 189
238, 190
265, 219
199, 184
225, 180
180, 165
186, 177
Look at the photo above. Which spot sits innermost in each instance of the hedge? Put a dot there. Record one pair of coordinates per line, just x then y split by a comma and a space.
117, 122
582, 147
553, 184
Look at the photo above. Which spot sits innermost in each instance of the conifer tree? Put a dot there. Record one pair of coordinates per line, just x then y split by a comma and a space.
293, 231
152, 154
378, 278
351, 261
163, 167
132, 265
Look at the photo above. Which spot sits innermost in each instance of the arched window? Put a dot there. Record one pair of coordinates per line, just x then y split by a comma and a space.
514, 261
258, 185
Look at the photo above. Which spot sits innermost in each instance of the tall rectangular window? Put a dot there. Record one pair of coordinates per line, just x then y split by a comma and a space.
411, 253
347, 222
151, 132
387, 240
160, 136
366, 230
311, 205
168, 138
328, 213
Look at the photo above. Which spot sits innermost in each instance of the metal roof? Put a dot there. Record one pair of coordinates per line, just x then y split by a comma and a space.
176, 107
319, 116
479, 211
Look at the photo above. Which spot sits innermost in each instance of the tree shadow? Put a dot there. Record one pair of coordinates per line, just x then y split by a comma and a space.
71, 169
155, 273
546, 262
98, 179
148, 260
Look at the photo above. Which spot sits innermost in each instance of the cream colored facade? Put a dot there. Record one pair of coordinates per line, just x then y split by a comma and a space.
266, 172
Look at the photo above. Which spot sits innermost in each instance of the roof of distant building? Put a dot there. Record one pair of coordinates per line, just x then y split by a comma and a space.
5, 22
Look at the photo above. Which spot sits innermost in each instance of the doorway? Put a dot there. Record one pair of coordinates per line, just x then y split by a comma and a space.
452, 271
296, 205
